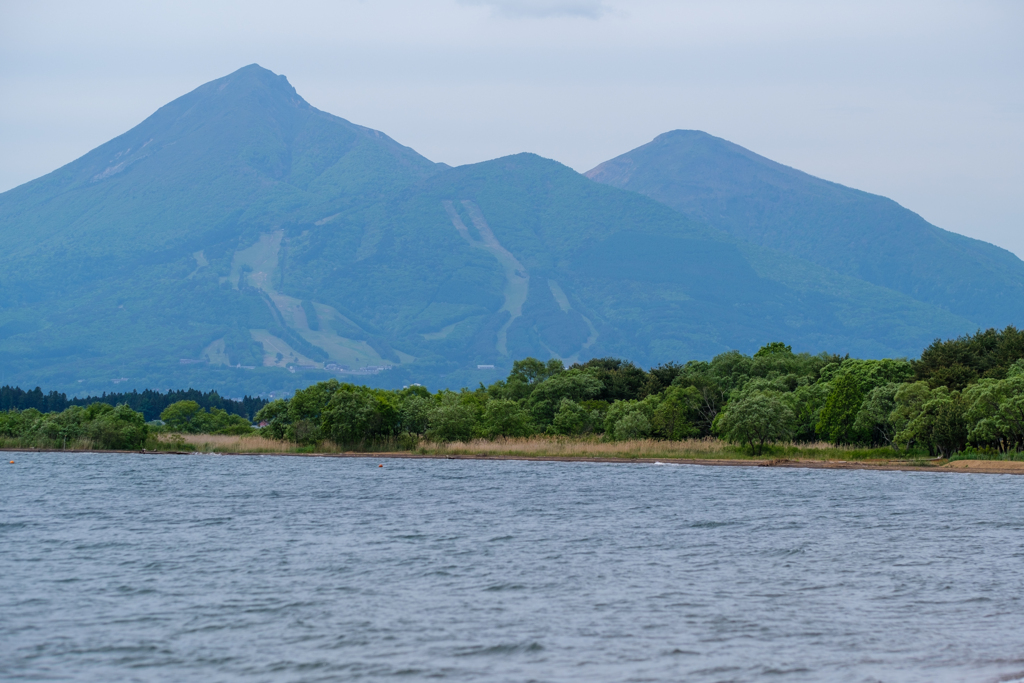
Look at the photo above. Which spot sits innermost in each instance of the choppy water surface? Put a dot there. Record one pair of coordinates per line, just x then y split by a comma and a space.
225, 568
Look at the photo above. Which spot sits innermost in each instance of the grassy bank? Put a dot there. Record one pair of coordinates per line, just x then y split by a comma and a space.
36, 443
698, 451
989, 455
538, 446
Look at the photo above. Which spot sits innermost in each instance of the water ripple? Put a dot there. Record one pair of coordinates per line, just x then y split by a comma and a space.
204, 568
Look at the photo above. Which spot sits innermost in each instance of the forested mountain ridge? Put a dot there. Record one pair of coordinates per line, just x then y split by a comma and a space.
855, 233
242, 240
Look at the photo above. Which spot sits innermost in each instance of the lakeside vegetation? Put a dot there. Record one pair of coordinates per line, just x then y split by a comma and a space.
536, 446
964, 398
115, 421
149, 402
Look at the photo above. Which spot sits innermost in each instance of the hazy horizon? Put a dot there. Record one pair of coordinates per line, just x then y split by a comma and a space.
917, 102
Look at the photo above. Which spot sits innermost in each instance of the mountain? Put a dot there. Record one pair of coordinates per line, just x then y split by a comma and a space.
851, 232
111, 263
231, 159
523, 256
242, 240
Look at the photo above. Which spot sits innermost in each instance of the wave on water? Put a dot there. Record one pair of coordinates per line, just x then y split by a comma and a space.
237, 569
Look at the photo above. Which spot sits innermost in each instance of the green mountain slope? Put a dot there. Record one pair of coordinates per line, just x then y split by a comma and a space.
119, 263
855, 233
596, 272
232, 158
240, 239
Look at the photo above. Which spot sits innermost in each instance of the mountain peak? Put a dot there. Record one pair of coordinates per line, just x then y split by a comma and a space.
253, 77
685, 133
247, 138
251, 87
674, 148
866, 236
256, 70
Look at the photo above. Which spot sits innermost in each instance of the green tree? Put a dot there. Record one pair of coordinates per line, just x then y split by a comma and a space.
18, 423
305, 410
64, 426
940, 423
188, 417
526, 374
632, 425
620, 380
870, 374
503, 417
957, 363
806, 402
774, 349
674, 416
630, 419
573, 419
574, 384
875, 415
839, 415
730, 370
356, 415
183, 416
995, 410
756, 419
706, 401
117, 428
218, 421
415, 413
660, 378
275, 415
531, 371
910, 400
451, 419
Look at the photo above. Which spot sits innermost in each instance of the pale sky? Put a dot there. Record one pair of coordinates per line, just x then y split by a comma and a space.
922, 102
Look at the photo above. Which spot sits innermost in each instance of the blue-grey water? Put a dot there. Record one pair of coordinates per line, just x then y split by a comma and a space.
228, 568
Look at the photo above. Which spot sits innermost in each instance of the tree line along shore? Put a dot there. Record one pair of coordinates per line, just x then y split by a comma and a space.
149, 402
964, 398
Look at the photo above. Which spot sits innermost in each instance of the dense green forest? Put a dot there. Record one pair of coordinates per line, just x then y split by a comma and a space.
115, 421
963, 393
149, 402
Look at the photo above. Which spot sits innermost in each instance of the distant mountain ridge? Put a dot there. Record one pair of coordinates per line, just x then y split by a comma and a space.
242, 240
855, 233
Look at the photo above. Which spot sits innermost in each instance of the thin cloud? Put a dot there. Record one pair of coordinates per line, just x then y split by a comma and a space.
587, 9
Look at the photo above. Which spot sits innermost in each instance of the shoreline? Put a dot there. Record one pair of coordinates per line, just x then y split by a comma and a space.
956, 466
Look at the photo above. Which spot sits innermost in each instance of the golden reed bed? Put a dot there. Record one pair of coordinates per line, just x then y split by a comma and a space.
218, 443
584, 447
526, 446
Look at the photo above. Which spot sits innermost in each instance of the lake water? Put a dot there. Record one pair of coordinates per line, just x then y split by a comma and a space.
228, 568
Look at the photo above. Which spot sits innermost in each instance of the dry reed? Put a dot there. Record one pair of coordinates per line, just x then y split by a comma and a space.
536, 446
579, 447
222, 443
593, 447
